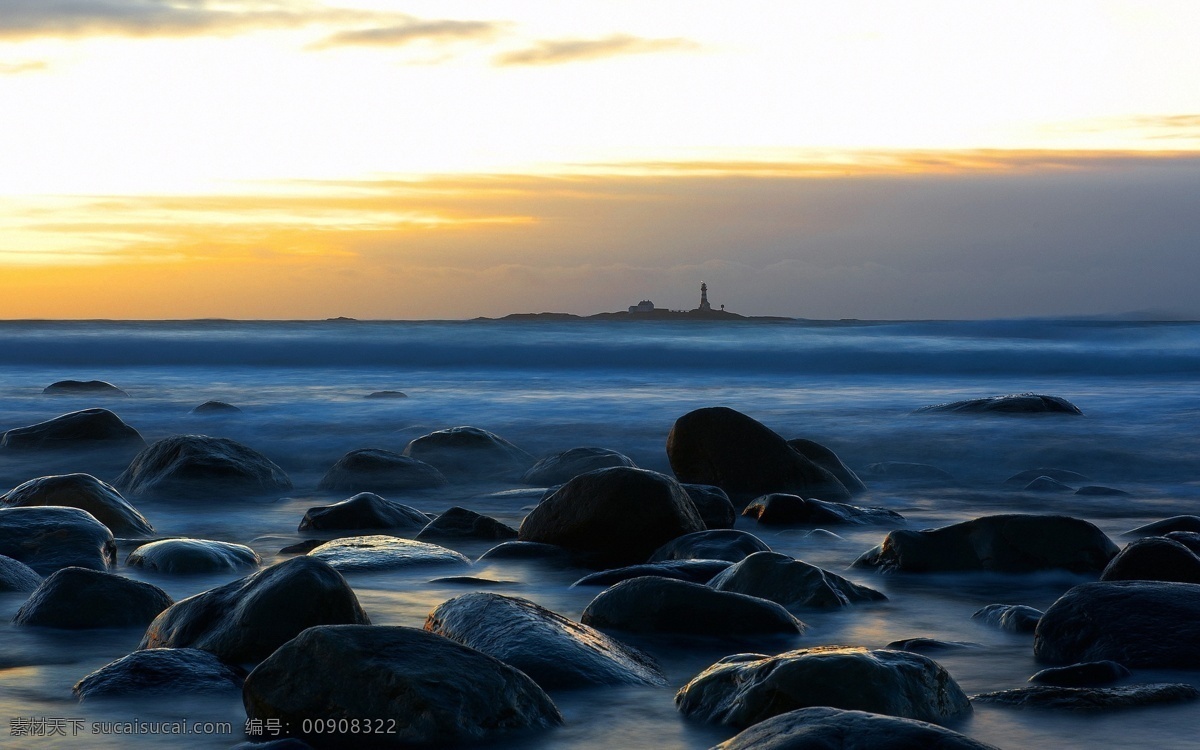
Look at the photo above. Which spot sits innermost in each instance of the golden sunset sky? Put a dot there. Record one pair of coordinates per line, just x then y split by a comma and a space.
872, 159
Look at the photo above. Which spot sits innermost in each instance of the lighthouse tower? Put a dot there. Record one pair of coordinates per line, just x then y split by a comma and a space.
704, 297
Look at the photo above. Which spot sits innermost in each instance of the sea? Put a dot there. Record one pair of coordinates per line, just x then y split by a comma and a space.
548, 386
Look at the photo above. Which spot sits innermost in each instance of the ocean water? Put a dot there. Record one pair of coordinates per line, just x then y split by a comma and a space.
550, 386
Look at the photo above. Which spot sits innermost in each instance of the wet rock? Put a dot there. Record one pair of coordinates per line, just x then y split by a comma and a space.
613, 516
781, 509
930, 645
716, 544
17, 576
47, 539
1154, 558
833, 729
192, 556
1046, 484
387, 394
1090, 698
1096, 490
1013, 403
79, 598
695, 571
1013, 543
460, 523
726, 448
378, 552
1141, 624
437, 692
563, 467
369, 469
1020, 479
165, 672
1189, 539
366, 510
198, 465
215, 409
1167, 525
554, 651
1015, 618
551, 553
470, 452
907, 471
712, 504
792, 583
473, 581
828, 460
824, 535
83, 388
86, 429
663, 605
85, 492
302, 548
1087, 674
745, 689
245, 620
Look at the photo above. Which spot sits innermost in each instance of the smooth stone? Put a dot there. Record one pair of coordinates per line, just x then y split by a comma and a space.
731, 545
550, 553
1012, 403
470, 452
713, 505
1091, 698
387, 394
925, 645
302, 548
824, 535
16, 576
1022, 478
833, 729
1014, 618
49, 538
460, 523
725, 448
1189, 539
192, 556
1167, 525
88, 428
1046, 484
379, 552
1014, 543
366, 510
1154, 558
166, 672
371, 469
215, 409
473, 581
80, 598
245, 620
663, 605
1087, 674
437, 692
792, 583
1095, 490
554, 651
828, 460
563, 467
83, 387
907, 471
695, 571
745, 689
85, 492
782, 509
201, 466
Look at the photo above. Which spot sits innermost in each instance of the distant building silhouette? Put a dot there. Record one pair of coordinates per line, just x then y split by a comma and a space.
644, 306
704, 297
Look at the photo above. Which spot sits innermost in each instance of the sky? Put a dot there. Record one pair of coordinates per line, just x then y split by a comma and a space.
284, 159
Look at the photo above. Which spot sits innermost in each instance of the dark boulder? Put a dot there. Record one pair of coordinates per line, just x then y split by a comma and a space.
165, 672
215, 409
460, 523
782, 509
198, 465
86, 429
907, 471
1154, 558
1013, 403
1087, 674
85, 492
1013, 543
379, 552
1189, 539
1015, 618
1091, 698
745, 689
828, 460
245, 620
833, 729
366, 510
1166, 526
563, 467
16, 576
731, 545
79, 598
1022, 478
386, 394
192, 556
792, 583
428, 689
470, 452
930, 645
726, 448
554, 651
1095, 490
695, 571
83, 388
302, 548
50, 538
663, 605
712, 504
614, 516
1046, 484
370, 469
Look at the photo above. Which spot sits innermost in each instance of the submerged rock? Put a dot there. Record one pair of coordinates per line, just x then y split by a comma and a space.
1090, 698
563, 467
378, 552
83, 387
88, 428
470, 452
1015, 618
1154, 558
529, 551
713, 505
828, 460
1087, 674
49, 538
215, 409
834, 729
79, 598
165, 672
781, 509
1013, 403
695, 571
386, 394
930, 645
1046, 484
731, 545
17, 576
907, 471
370, 469
1022, 478
1095, 490
366, 510
460, 523
198, 465
192, 556
85, 492
792, 583
1167, 525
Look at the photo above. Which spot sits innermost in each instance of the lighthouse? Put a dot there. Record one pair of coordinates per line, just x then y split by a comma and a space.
704, 306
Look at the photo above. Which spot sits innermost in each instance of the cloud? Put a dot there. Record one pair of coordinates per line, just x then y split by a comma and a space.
411, 30
561, 51
27, 66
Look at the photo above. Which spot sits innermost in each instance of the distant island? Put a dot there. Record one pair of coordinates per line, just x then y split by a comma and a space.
646, 311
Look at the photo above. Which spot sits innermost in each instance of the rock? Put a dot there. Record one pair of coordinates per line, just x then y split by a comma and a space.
563, 467
369, 469
166, 672
1099, 491
554, 651
89, 428
1013, 403
1141, 624
1013, 543
695, 571
731, 545
16, 576
302, 548
613, 516
1189, 539
1087, 674
663, 605
906, 471
245, 620
201, 466
712, 504
723, 447
1046, 484
529, 551
828, 460
1154, 558
472, 581
47, 539
387, 394
833, 729
1090, 698
1167, 525
366, 510
460, 523
192, 556
1020, 479
85, 492
470, 452
930, 645
79, 598
1015, 618
792, 583
824, 535
83, 388
432, 690
363, 553
781, 509
745, 689
215, 409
